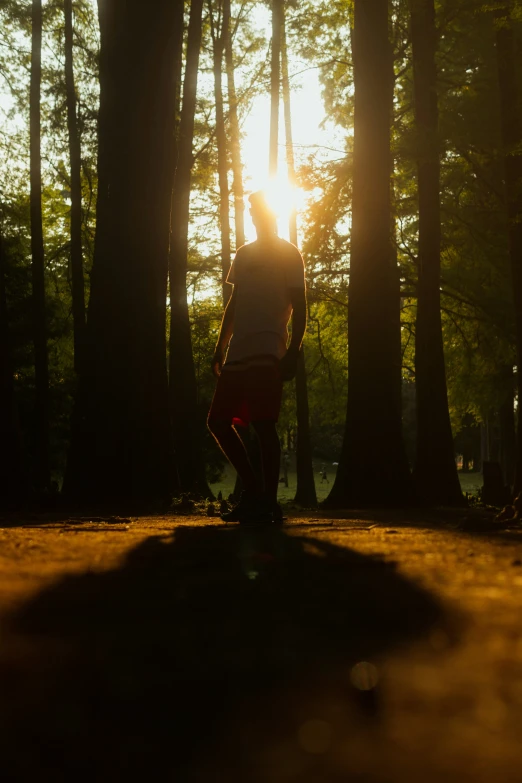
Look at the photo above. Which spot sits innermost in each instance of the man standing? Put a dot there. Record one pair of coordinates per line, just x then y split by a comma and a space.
269, 288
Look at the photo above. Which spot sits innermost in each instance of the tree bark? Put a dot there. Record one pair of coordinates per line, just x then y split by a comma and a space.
220, 32
305, 492
186, 416
75, 157
511, 128
507, 426
42, 476
235, 139
373, 469
121, 451
435, 473
275, 79
235, 156
394, 258
12, 474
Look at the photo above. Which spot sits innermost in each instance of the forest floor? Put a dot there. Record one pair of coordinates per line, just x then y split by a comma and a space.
382, 647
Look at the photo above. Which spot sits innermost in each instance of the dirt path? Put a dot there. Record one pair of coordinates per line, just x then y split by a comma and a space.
332, 650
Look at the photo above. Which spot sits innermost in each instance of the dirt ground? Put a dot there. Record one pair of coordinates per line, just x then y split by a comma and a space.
375, 647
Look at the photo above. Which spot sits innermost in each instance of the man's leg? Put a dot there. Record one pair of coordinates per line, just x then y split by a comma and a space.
234, 450
270, 456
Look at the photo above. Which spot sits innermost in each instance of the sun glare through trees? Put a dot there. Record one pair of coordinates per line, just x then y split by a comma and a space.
398, 191
260, 383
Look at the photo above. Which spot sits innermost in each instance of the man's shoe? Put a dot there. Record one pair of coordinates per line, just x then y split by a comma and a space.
254, 510
240, 510
264, 511
259, 512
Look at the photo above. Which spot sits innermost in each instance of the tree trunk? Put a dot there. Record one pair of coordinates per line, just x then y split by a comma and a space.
121, 452
394, 256
12, 478
305, 491
75, 157
42, 476
511, 126
435, 472
373, 469
507, 427
187, 418
235, 154
220, 33
275, 79
235, 140
178, 70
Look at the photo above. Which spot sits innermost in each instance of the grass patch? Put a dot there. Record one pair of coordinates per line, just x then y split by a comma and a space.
469, 482
285, 494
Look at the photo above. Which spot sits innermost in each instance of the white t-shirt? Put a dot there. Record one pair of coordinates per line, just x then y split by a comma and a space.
264, 271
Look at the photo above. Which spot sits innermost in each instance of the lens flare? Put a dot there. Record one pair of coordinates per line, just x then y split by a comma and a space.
283, 199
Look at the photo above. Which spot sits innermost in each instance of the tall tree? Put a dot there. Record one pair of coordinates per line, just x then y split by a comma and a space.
12, 478
435, 471
121, 451
395, 269
511, 127
372, 468
187, 422
235, 153
219, 27
305, 493
235, 139
275, 82
75, 158
41, 368
507, 425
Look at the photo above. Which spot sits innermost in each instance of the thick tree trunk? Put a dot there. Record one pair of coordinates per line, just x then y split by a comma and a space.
187, 418
305, 491
507, 427
373, 469
235, 155
178, 88
435, 474
394, 256
275, 79
75, 157
235, 140
511, 125
42, 476
219, 37
121, 452
12, 476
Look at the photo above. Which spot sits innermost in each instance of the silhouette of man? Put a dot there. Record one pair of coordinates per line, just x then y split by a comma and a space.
269, 289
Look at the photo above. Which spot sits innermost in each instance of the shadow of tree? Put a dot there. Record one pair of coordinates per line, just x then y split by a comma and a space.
200, 658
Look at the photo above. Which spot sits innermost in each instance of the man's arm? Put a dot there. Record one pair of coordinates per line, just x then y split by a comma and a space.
288, 364
225, 333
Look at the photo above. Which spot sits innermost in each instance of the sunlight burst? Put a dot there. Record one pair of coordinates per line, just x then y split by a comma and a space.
283, 199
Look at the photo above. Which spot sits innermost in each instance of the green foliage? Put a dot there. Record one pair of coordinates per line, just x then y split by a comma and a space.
14, 199
477, 308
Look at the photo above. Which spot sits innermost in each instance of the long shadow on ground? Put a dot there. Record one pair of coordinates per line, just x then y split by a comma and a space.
211, 655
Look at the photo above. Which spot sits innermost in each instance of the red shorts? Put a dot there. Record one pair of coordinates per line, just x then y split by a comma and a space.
248, 391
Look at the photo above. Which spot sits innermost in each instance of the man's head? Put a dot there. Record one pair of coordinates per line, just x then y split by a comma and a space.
263, 216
